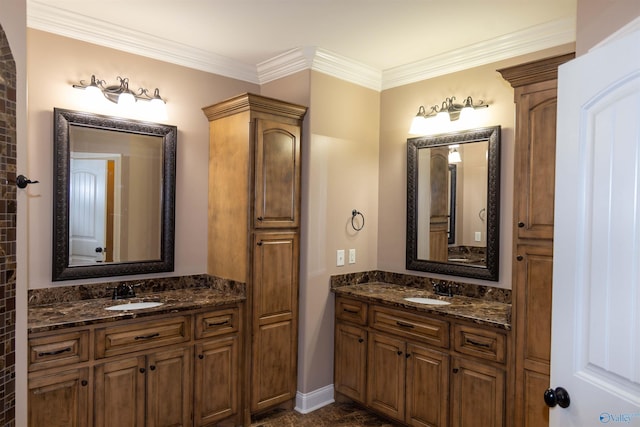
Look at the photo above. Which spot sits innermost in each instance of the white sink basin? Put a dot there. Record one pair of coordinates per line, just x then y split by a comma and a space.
428, 301
134, 306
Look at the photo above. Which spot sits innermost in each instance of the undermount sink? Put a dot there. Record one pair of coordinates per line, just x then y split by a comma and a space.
134, 306
428, 301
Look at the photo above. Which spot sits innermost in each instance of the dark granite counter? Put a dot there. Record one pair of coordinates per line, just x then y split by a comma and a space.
66, 314
481, 311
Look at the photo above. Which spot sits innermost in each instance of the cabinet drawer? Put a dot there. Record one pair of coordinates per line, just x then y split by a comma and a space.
216, 323
142, 335
413, 326
484, 343
351, 311
58, 350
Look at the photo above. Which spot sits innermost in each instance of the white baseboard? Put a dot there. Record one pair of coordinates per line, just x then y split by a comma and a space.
309, 402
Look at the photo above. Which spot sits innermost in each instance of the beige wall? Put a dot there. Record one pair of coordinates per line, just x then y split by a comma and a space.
54, 63
597, 19
399, 106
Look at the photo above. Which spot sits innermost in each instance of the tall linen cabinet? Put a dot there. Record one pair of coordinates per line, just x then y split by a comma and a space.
253, 233
535, 96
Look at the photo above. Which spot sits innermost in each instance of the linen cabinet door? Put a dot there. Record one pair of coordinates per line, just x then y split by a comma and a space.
59, 399
427, 387
168, 393
120, 393
275, 326
277, 175
216, 380
351, 361
386, 375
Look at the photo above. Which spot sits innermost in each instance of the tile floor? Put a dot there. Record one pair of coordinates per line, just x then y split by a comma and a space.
334, 415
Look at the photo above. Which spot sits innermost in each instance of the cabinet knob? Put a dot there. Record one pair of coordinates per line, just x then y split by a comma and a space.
84, 383
260, 218
455, 370
142, 370
520, 224
408, 355
399, 352
259, 243
360, 340
519, 257
201, 356
559, 397
152, 367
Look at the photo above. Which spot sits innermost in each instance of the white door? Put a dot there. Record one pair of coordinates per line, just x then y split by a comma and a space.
87, 211
595, 351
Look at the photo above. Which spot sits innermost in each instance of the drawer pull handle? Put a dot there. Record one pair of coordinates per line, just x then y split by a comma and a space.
146, 337
54, 352
478, 344
351, 311
404, 325
224, 322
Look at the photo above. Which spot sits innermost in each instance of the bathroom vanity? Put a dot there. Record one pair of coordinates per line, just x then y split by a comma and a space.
440, 363
177, 363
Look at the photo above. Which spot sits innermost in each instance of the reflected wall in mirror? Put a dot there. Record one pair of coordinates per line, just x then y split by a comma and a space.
114, 196
453, 203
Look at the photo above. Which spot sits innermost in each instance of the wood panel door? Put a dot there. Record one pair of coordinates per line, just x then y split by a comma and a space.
386, 375
119, 393
350, 371
535, 160
168, 388
427, 392
275, 309
216, 380
478, 394
277, 175
60, 399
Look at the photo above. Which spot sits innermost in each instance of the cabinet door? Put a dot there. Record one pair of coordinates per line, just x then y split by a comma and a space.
216, 380
168, 392
277, 175
535, 161
119, 393
478, 394
533, 274
386, 375
59, 399
427, 387
350, 361
275, 307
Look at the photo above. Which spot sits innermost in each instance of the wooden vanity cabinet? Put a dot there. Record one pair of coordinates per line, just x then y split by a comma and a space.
169, 370
535, 96
420, 370
254, 220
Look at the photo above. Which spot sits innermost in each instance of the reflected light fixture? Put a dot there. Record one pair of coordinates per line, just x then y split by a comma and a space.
448, 109
454, 155
122, 95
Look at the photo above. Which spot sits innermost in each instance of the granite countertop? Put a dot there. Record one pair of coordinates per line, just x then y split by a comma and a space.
91, 311
480, 311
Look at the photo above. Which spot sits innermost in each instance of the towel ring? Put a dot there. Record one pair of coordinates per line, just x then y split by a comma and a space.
354, 214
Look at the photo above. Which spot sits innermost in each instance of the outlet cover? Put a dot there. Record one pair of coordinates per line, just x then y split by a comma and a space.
340, 257
352, 256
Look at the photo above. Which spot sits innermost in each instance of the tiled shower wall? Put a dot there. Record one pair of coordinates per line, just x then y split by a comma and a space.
7, 232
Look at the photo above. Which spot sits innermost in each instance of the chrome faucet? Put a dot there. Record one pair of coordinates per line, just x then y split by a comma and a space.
442, 287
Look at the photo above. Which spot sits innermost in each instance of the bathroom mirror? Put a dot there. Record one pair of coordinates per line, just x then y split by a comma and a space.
453, 203
114, 196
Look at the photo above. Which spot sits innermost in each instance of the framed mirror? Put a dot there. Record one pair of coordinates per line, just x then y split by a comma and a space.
114, 196
453, 203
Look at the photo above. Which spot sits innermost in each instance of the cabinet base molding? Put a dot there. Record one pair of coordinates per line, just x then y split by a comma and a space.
316, 399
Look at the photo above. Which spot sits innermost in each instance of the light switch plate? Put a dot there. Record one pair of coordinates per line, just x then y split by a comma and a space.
352, 256
340, 257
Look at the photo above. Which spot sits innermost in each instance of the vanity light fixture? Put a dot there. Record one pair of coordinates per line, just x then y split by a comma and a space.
122, 95
448, 109
454, 155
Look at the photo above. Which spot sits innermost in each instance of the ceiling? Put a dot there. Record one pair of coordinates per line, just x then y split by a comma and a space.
376, 43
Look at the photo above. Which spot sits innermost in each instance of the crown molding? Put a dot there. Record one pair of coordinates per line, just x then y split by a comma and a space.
321, 60
47, 18
539, 37
50, 19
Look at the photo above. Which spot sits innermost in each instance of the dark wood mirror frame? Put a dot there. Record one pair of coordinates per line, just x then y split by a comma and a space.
491, 270
63, 119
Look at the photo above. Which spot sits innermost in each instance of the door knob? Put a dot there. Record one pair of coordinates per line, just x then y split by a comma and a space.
559, 397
